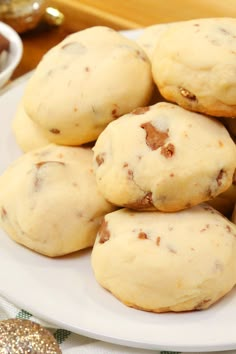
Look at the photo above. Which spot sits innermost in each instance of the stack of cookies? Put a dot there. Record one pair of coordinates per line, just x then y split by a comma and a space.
78, 88
169, 168
167, 250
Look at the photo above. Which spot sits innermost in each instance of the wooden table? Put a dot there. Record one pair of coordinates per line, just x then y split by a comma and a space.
129, 14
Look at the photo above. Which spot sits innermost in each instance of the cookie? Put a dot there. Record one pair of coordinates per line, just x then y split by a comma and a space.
89, 79
49, 200
163, 157
150, 37
164, 262
28, 134
194, 65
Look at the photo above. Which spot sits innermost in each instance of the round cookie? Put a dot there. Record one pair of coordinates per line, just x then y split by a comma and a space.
150, 37
91, 78
28, 134
164, 262
163, 157
194, 65
50, 202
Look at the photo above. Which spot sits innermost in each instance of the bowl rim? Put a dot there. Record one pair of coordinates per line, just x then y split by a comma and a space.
13, 37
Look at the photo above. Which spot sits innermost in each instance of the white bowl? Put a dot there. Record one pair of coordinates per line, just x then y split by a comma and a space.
14, 55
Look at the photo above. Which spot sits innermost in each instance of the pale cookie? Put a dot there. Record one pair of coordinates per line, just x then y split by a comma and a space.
49, 200
163, 262
194, 65
150, 37
28, 134
163, 157
89, 79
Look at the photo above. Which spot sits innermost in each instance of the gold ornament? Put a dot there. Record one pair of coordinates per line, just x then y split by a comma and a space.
53, 16
23, 336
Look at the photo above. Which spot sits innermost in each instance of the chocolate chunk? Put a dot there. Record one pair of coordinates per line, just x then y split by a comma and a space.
187, 94
219, 177
55, 131
168, 150
154, 138
129, 171
100, 159
115, 112
158, 240
142, 235
104, 233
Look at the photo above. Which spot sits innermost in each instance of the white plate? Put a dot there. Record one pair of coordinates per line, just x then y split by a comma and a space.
64, 291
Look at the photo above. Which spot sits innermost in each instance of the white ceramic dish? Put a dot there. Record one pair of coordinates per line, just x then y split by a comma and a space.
64, 292
15, 53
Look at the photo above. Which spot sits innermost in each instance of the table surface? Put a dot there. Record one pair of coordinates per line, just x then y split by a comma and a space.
129, 14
